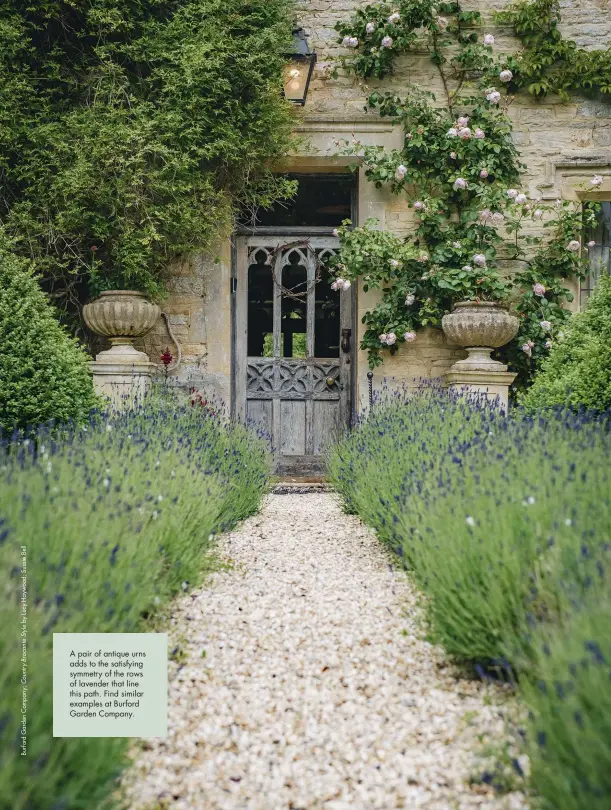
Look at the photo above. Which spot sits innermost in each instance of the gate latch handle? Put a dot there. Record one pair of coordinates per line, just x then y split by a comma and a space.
331, 381
346, 334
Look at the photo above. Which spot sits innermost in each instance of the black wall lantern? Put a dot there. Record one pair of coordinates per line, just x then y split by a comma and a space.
298, 70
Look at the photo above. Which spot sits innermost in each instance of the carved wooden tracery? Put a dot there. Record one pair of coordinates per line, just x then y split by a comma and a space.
299, 400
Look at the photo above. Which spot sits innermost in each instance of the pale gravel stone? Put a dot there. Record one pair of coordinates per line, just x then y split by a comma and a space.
317, 689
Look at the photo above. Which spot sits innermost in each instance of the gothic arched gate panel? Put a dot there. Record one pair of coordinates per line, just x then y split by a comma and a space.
293, 352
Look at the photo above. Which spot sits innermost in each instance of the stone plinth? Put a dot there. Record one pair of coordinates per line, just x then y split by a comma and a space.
494, 385
122, 375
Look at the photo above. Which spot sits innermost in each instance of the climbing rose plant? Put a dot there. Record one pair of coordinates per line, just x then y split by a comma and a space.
460, 171
550, 63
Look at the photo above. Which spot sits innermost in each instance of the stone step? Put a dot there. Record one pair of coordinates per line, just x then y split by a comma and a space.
294, 486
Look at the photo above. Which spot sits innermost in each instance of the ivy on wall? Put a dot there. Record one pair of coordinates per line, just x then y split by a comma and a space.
460, 170
131, 132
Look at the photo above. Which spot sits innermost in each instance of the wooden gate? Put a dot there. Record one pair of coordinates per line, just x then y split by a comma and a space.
293, 353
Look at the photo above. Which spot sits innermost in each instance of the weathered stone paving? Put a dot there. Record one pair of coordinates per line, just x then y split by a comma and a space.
317, 689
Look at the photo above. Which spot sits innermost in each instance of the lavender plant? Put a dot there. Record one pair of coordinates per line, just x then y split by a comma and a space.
116, 516
504, 523
460, 171
446, 472
569, 699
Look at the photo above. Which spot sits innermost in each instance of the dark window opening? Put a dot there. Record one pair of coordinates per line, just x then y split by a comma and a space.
292, 339
326, 319
294, 310
260, 307
322, 201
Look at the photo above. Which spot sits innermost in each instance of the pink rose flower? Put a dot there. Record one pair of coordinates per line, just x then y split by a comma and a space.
479, 259
505, 75
539, 289
483, 174
488, 40
409, 337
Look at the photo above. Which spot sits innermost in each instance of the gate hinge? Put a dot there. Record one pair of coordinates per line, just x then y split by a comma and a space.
233, 284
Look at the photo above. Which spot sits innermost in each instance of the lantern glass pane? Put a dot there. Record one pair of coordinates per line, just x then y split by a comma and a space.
296, 79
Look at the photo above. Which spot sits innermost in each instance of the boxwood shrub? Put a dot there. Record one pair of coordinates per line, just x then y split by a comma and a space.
44, 371
578, 369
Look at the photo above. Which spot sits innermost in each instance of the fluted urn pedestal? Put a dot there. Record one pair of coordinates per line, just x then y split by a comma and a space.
479, 327
121, 373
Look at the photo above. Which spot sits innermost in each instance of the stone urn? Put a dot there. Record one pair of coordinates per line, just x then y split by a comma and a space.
121, 316
479, 327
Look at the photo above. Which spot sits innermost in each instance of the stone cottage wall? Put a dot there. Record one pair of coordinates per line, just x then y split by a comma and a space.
561, 144
198, 312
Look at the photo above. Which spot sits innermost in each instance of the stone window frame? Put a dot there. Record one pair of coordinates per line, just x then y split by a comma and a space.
565, 177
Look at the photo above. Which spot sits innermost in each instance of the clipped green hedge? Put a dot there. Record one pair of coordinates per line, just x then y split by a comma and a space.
44, 371
578, 369
117, 517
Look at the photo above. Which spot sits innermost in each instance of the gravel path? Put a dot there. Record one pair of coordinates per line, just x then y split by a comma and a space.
317, 689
